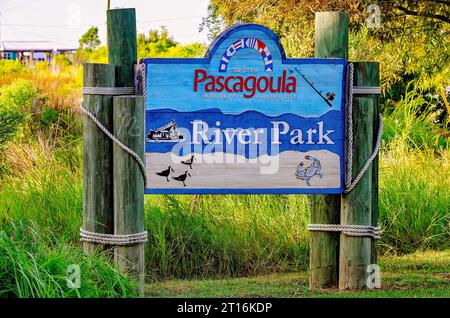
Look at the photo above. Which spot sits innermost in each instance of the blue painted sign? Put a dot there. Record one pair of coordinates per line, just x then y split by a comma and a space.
245, 119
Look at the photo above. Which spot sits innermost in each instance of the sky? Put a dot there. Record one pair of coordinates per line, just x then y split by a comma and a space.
65, 21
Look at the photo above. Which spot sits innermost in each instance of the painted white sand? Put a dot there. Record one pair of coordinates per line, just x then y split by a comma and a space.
238, 172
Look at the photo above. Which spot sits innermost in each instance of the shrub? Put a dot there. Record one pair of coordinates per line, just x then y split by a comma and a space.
9, 124
48, 116
19, 96
8, 67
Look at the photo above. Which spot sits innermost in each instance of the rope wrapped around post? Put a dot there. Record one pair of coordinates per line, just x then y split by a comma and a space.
348, 229
113, 239
350, 183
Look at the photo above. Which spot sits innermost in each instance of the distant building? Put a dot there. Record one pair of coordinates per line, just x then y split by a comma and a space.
27, 51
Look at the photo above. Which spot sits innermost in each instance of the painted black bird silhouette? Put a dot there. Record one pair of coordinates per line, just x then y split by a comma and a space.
189, 162
166, 173
182, 177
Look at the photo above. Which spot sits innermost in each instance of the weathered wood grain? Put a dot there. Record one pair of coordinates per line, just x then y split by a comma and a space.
129, 183
375, 164
331, 40
128, 127
122, 49
97, 154
356, 207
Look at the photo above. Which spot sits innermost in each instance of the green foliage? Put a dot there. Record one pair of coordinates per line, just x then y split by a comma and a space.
90, 40
61, 60
185, 51
48, 116
10, 121
16, 101
213, 22
413, 38
100, 55
158, 43
155, 43
8, 67
411, 122
18, 96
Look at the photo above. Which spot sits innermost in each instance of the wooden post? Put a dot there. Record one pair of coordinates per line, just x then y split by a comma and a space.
97, 155
331, 40
375, 163
129, 128
122, 50
129, 183
356, 207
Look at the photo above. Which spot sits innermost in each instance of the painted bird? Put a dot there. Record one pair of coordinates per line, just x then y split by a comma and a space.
182, 177
166, 173
189, 162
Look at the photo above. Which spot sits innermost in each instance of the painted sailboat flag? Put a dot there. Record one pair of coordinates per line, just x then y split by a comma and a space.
245, 119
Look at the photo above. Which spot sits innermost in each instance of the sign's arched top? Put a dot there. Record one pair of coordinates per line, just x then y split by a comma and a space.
234, 32
240, 40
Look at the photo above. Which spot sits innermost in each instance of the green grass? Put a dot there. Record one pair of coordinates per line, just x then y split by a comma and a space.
40, 217
415, 201
33, 266
225, 235
425, 274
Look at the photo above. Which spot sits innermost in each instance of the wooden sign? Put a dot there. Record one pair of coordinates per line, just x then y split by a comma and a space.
245, 119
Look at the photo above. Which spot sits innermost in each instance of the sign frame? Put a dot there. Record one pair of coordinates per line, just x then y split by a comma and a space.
211, 52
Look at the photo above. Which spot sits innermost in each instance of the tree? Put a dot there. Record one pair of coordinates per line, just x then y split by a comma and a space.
155, 43
90, 40
413, 39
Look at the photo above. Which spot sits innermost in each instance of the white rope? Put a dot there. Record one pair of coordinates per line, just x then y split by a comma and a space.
349, 183
348, 229
113, 91
144, 81
113, 239
349, 128
117, 141
366, 90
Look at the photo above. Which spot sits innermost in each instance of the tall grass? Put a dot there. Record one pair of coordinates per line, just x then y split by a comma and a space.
225, 235
40, 216
415, 199
32, 265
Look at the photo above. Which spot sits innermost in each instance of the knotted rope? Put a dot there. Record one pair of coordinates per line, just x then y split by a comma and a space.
113, 239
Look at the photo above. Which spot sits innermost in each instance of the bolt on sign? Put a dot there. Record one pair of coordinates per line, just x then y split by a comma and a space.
245, 119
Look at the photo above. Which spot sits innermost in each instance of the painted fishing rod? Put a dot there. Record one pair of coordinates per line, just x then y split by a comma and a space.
330, 95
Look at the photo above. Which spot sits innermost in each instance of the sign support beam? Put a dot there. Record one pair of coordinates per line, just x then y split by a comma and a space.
331, 40
356, 207
97, 155
129, 128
